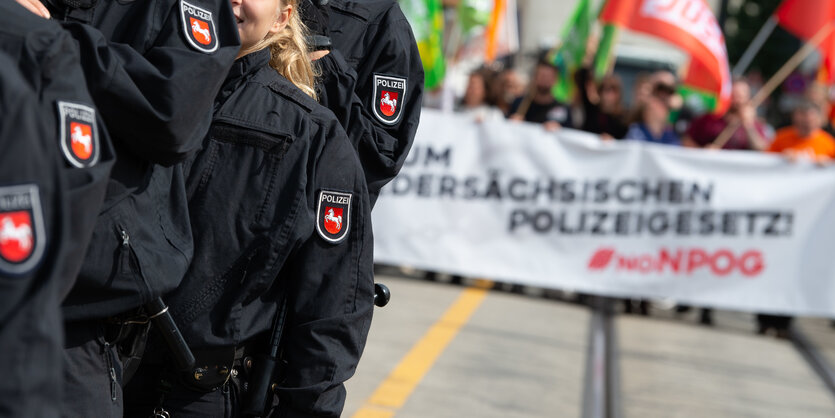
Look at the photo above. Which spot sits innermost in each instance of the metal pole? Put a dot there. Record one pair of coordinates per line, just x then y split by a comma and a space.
755, 46
600, 394
723, 13
775, 81
814, 357
614, 364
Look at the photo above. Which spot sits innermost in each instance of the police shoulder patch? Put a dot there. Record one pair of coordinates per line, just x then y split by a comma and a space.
388, 98
22, 236
198, 27
333, 215
79, 134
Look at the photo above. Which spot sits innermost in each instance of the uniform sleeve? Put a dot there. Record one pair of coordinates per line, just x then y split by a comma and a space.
32, 192
158, 102
63, 81
382, 148
331, 293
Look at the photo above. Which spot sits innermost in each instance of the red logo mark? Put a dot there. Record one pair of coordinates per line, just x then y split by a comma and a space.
81, 137
601, 258
200, 30
721, 262
16, 239
388, 102
333, 220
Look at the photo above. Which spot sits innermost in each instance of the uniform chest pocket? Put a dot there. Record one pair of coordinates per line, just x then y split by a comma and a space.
236, 175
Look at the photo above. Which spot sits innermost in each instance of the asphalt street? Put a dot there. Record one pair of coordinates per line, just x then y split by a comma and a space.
442, 350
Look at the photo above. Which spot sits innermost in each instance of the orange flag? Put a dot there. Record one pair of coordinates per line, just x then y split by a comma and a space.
804, 18
493, 29
691, 26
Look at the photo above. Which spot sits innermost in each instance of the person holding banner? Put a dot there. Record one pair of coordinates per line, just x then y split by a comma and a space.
805, 137
505, 87
474, 103
818, 93
653, 115
603, 111
751, 135
539, 105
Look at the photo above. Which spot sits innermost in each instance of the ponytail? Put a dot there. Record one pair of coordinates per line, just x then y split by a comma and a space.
288, 52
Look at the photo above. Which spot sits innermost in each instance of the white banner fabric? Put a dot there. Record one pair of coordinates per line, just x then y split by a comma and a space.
511, 202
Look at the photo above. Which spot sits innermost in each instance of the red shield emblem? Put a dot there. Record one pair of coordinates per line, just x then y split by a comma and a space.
200, 31
16, 237
22, 237
198, 27
333, 215
333, 219
389, 98
79, 134
388, 102
81, 137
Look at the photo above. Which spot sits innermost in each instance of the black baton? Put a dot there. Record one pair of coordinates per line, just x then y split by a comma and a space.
159, 315
260, 392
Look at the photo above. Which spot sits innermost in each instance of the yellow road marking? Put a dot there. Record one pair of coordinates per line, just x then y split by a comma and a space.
398, 386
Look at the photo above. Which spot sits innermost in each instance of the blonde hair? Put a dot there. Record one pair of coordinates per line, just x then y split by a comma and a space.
288, 52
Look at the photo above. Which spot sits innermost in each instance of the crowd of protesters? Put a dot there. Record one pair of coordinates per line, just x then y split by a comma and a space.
658, 114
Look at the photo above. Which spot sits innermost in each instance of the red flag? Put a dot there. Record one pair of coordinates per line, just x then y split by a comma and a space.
688, 24
804, 18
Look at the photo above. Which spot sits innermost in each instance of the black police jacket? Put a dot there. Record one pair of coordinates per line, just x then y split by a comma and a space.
279, 205
48, 59
373, 82
33, 232
153, 69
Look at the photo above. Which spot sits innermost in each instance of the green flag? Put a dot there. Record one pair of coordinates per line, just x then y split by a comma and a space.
569, 56
699, 100
603, 57
427, 20
473, 14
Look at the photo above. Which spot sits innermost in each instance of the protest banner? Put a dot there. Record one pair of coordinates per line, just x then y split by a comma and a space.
512, 202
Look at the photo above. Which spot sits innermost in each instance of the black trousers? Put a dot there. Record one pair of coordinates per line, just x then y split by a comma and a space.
92, 372
156, 388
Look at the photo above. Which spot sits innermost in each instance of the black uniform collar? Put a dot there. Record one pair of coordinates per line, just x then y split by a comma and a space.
243, 68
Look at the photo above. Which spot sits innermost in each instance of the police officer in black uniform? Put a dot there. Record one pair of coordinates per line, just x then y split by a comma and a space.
153, 69
49, 60
71, 144
33, 232
283, 253
372, 79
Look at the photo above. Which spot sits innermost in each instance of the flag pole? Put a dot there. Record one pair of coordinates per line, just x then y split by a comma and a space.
526, 102
525, 105
776, 79
755, 46
612, 58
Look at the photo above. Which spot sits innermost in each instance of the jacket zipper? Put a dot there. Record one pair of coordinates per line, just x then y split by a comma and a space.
145, 291
111, 370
